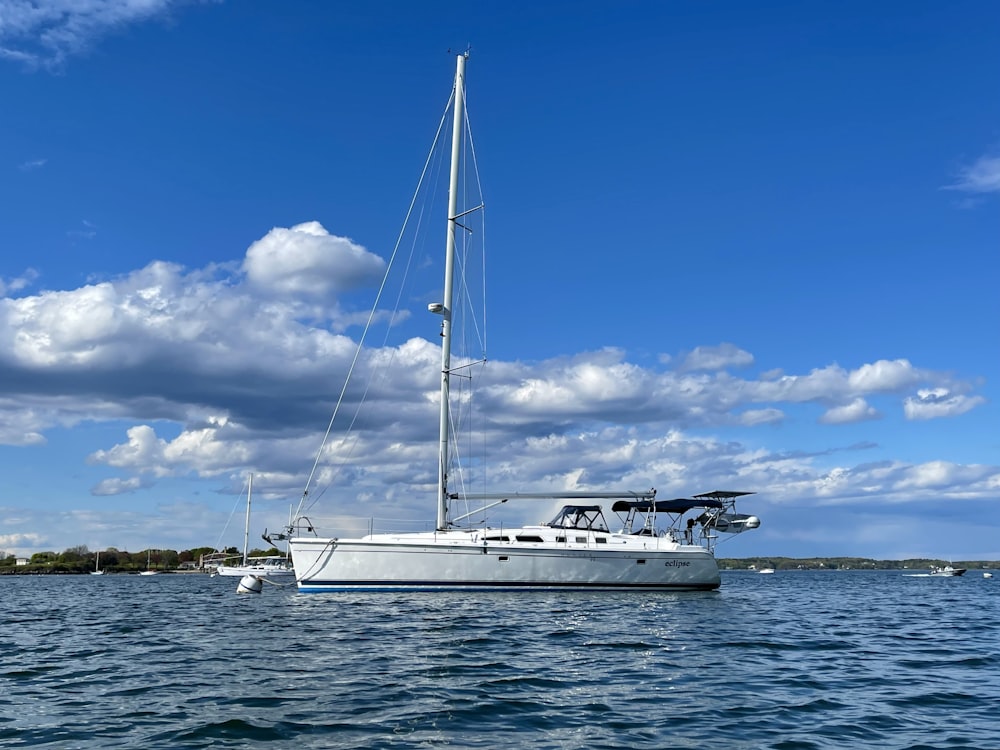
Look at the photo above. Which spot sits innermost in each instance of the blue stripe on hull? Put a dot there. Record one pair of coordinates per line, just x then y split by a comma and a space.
316, 587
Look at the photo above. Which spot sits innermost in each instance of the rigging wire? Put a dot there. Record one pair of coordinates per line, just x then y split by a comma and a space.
357, 354
376, 374
471, 321
237, 504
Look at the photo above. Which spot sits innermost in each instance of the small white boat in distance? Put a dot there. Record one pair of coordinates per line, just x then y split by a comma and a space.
946, 571
148, 571
267, 567
762, 571
987, 575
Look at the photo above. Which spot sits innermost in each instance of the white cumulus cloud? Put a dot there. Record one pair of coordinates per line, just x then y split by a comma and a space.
883, 375
753, 417
307, 259
116, 486
857, 411
20, 540
934, 403
215, 370
717, 357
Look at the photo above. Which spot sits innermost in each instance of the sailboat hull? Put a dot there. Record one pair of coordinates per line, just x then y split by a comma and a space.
275, 570
441, 563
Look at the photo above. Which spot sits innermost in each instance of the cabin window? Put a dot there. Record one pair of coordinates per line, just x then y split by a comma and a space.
581, 540
640, 562
496, 539
601, 540
503, 558
529, 538
560, 539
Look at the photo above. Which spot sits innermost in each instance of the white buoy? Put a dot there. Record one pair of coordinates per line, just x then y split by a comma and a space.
250, 584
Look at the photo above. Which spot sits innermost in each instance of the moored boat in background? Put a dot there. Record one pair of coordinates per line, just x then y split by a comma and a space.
946, 571
268, 566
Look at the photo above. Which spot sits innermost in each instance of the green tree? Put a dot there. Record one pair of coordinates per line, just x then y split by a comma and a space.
74, 555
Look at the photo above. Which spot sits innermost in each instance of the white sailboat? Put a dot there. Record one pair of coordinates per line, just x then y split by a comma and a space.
97, 566
650, 550
272, 566
148, 571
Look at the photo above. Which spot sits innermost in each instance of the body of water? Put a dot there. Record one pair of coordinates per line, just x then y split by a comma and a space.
794, 660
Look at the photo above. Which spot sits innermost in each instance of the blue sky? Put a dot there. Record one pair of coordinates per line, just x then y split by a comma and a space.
747, 246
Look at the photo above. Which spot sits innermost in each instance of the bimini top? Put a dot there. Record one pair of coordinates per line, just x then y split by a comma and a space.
677, 505
722, 495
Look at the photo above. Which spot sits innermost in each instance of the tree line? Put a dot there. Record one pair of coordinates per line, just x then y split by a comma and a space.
81, 560
847, 563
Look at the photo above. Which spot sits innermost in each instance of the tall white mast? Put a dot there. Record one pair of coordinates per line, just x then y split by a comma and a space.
246, 529
456, 152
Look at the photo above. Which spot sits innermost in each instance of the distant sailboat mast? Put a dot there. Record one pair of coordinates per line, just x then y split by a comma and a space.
97, 566
246, 528
446, 307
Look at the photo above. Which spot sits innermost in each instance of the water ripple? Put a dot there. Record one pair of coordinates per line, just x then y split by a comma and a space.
794, 661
